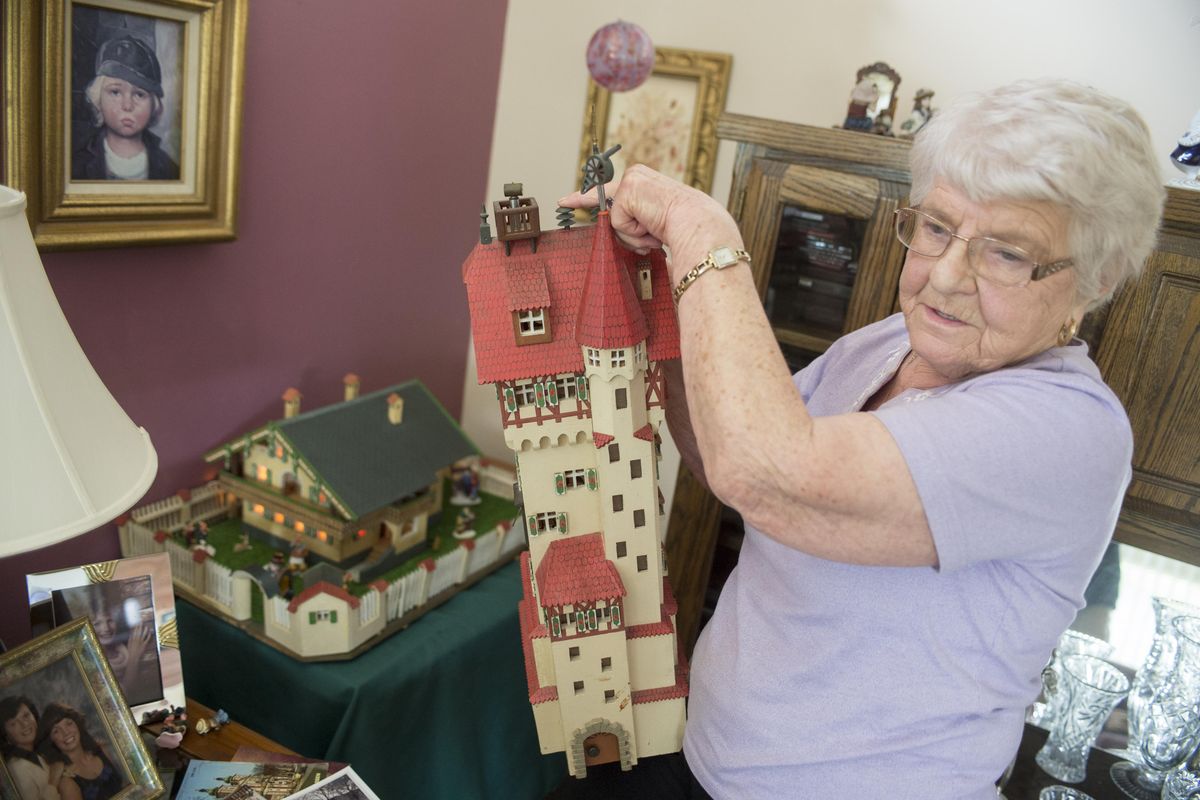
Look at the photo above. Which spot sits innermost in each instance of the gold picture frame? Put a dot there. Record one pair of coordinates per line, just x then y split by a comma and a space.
64, 676
182, 60
670, 121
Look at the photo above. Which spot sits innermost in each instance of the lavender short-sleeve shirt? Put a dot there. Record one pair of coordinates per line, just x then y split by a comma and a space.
820, 679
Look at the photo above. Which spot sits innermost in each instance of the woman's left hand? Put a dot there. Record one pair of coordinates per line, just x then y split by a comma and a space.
651, 210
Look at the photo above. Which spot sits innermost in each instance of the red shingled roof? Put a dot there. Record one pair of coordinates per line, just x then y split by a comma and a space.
601, 439
564, 256
525, 281
530, 630
322, 587
575, 570
610, 314
645, 432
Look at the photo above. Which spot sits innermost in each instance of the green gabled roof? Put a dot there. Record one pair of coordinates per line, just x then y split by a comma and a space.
365, 460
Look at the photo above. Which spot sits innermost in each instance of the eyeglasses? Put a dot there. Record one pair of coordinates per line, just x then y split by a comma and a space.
991, 259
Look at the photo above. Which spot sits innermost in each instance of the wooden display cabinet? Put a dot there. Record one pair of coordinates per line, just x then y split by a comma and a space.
815, 207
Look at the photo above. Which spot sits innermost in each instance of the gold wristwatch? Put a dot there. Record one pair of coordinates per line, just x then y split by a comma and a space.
720, 258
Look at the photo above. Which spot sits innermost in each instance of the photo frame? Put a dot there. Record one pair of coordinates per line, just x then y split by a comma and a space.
78, 705
131, 604
669, 122
123, 118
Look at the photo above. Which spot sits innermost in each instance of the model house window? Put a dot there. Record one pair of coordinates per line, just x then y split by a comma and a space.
606, 664
614, 452
532, 322
593, 357
279, 452
278, 517
321, 616
638, 351
635, 468
575, 478
622, 550
618, 503
609, 695
578, 687
526, 394
622, 398
618, 359
645, 287
574, 653
643, 563
547, 521
299, 526
262, 473
566, 387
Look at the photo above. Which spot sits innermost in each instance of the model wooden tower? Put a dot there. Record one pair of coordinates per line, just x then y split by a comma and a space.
572, 329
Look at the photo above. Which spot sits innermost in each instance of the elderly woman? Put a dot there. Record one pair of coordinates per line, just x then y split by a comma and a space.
87, 772
126, 100
34, 777
926, 502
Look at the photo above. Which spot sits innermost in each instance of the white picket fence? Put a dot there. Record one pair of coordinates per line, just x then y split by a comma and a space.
279, 611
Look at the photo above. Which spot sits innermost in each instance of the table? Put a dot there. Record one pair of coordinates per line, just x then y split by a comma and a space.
439, 710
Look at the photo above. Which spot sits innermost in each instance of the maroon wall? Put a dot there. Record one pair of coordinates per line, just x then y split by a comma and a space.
365, 139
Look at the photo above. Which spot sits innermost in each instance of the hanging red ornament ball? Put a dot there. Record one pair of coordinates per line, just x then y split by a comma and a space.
620, 56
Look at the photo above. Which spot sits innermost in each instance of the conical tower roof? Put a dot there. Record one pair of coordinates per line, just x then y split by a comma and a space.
610, 315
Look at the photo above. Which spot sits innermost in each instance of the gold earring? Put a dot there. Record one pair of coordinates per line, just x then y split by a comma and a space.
1067, 332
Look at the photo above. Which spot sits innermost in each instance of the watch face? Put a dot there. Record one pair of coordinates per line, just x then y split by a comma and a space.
724, 257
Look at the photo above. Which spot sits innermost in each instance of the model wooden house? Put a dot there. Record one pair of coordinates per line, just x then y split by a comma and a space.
351, 482
572, 329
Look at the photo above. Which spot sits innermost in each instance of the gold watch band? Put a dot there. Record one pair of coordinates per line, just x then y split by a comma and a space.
720, 258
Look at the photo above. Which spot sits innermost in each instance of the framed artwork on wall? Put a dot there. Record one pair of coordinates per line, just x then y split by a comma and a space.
61, 683
123, 118
669, 123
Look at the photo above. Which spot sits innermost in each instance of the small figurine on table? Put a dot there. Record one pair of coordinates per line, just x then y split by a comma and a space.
298, 558
201, 539
882, 126
173, 728
244, 543
462, 525
465, 487
1186, 155
213, 723
864, 96
921, 113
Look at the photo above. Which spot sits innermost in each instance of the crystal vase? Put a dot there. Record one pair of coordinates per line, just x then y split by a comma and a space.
1084, 693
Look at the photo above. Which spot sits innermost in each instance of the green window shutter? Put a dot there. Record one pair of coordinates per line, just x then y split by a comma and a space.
510, 400
555, 626
560, 483
592, 619
532, 527
312, 618
562, 522
592, 480
539, 394
333, 616
551, 392
616, 616
581, 386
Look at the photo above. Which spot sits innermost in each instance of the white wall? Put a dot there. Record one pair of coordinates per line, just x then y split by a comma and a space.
796, 61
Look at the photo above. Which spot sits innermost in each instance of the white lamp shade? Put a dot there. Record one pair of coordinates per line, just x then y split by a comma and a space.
70, 458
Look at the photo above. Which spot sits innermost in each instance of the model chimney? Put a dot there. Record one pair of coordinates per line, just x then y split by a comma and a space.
350, 382
291, 403
395, 408
517, 217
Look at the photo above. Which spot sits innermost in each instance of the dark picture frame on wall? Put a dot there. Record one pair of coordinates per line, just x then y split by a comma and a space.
60, 685
124, 118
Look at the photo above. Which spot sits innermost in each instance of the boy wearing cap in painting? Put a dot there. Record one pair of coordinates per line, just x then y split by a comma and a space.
126, 101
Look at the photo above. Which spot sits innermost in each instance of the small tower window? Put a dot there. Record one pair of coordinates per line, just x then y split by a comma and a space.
578, 687
573, 653
645, 286
639, 518
526, 394
575, 478
618, 503
532, 326
547, 521
643, 563
610, 695
614, 453
622, 550
635, 469
622, 398
618, 358
593, 357
606, 664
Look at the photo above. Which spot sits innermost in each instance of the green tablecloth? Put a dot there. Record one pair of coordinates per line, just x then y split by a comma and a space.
439, 710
